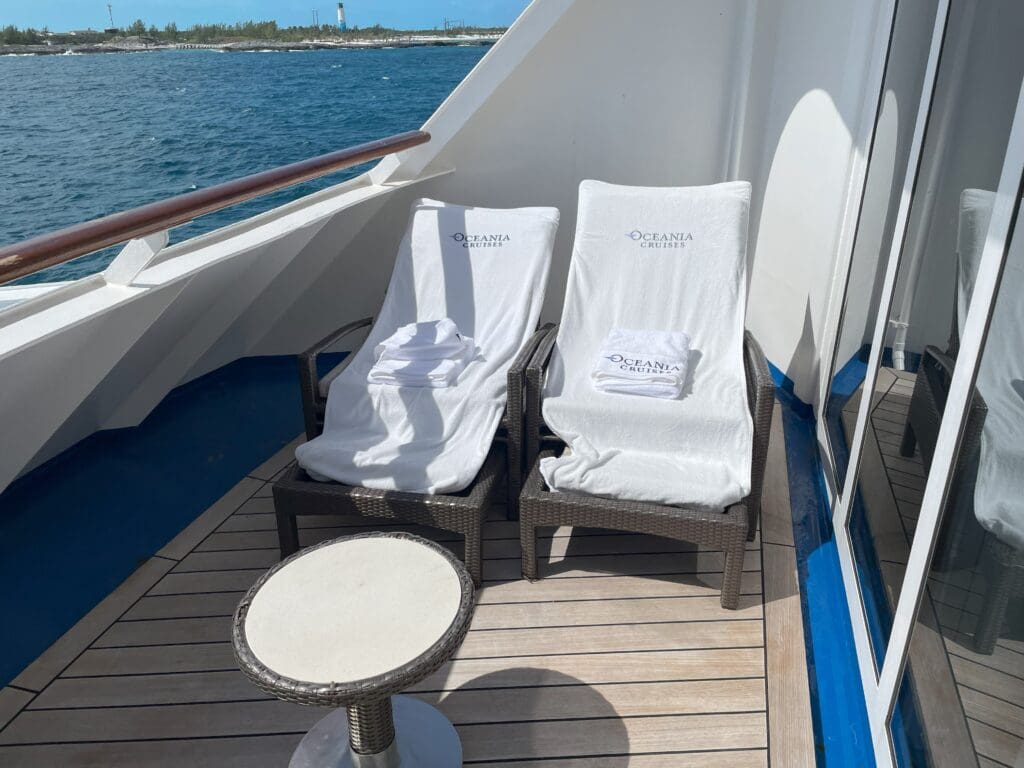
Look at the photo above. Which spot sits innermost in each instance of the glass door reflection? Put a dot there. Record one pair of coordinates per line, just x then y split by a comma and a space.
966, 137
890, 155
962, 698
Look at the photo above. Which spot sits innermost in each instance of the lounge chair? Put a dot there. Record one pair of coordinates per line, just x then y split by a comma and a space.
634, 463
423, 455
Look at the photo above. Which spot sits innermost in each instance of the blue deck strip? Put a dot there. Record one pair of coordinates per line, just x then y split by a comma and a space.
74, 528
841, 732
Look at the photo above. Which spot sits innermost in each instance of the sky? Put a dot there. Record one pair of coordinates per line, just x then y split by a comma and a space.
61, 15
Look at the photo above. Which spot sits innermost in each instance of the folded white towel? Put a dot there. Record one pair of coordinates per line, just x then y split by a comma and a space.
643, 363
431, 340
425, 372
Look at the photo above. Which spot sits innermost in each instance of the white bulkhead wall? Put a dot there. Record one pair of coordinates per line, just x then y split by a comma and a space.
665, 92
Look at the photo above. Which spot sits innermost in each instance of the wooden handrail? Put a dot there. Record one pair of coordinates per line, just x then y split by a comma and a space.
28, 256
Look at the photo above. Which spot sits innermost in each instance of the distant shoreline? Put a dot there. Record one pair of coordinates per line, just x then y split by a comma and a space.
136, 45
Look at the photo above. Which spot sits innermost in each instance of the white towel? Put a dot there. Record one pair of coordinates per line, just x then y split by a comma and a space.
430, 340
999, 492
434, 440
655, 258
643, 363
972, 229
422, 372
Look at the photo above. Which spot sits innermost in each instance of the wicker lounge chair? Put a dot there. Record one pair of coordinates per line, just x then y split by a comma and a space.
727, 530
297, 494
428, 455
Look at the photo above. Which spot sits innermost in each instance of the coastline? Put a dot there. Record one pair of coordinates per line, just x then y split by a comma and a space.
136, 45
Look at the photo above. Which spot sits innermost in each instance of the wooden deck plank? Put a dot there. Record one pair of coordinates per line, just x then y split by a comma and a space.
654, 666
166, 659
590, 613
789, 699
567, 697
12, 701
1001, 659
510, 741
776, 515
489, 740
549, 590
146, 690
991, 711
640, 564
565, 539
1002, 747
749, 758
503, 616
663, 636
991, 681
248, 752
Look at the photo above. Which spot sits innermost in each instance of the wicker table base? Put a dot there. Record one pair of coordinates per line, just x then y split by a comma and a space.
422, 737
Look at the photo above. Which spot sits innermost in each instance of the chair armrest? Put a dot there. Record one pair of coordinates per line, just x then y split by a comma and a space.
534, 382
944, 361
517, 380
525, 356
309, 380
761, 399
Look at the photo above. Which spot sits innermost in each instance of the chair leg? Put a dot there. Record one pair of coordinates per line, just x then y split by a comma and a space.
993, 610
733, 573
474, 554
528, 542
514, 480
287, 534
909, 442
753, 515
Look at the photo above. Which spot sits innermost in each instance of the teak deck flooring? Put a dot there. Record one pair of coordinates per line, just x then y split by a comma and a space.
621, 654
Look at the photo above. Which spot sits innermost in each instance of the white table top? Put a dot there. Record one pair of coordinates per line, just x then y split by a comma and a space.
353, 610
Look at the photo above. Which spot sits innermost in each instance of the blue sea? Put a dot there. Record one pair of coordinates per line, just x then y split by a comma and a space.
89, 135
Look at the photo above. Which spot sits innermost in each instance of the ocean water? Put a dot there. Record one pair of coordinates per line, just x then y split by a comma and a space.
86, 136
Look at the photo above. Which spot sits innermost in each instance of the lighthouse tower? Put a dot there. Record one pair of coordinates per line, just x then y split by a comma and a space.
341, 17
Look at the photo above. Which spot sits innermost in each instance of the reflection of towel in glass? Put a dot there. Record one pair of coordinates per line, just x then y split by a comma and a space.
999, 492
643, 363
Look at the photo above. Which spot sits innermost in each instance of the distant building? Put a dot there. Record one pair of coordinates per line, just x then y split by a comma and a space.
342, 26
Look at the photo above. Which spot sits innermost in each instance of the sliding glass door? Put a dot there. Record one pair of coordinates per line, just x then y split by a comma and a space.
924, 415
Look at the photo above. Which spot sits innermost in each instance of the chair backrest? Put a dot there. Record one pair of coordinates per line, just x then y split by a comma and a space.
485, 268
657, 258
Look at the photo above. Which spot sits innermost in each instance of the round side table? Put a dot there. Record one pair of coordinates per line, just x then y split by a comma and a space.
348, 623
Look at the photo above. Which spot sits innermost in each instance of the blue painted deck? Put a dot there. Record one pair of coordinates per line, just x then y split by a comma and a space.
125, 493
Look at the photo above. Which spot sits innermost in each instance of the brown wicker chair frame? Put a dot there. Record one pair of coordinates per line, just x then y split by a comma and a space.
726, 530
463, 513
371, 727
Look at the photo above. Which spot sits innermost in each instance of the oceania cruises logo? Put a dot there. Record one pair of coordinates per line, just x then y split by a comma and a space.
660, 239
643, 365
480, 241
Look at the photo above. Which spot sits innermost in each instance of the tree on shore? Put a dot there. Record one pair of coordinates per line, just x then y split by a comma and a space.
219, 33
11, 35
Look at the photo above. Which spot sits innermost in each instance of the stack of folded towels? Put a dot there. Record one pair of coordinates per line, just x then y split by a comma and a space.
644, 363
429, 354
